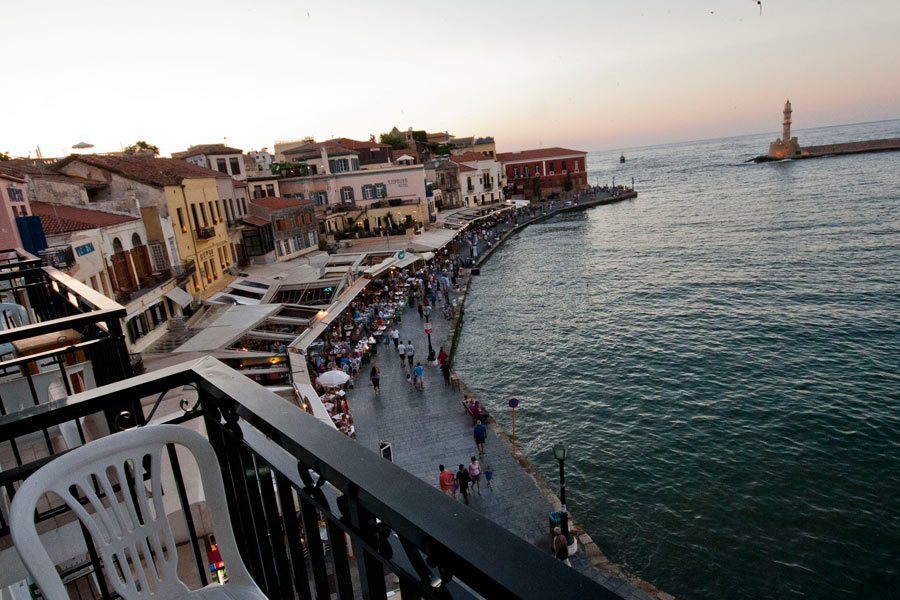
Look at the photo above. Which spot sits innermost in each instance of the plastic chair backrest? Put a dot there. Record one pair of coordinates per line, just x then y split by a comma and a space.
134, 540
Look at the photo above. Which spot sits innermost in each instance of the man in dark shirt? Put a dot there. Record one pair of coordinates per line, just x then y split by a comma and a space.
479, 432
463, 480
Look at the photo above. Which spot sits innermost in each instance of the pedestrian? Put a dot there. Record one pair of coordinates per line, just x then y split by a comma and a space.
462, 480
488, 475
421, 311
402, 350
560, 546
475, 474
376, 379
410, 352
395, 335
447, 481
409, 381
479, 432
476, 412
445, 371
420, 379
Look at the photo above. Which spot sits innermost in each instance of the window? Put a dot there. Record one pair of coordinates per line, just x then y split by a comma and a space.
280, 225
257, 191
346, 194
212, 212
230, 209
203, 214
221, 166
278, 250
515, 172
15, 194
235, 166
368, 191
380, 190
307, 218
563, 166
526, 172
550, 167
243, 206
218, 209
270, 189
576, 165
313, 238
194, 213
342, 165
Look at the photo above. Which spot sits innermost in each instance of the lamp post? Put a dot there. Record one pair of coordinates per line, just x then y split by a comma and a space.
430, 347
559, 452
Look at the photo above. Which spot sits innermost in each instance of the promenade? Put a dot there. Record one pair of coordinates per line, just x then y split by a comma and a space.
428, 428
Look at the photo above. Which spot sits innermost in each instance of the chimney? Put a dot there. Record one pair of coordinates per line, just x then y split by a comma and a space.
325, 168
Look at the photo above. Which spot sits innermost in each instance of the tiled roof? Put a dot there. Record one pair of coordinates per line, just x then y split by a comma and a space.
12, 174
538, 154
314, 149
255, 221
61, 218
149, 170
356, 144
274, 202
469, 157
466, 168
206, 149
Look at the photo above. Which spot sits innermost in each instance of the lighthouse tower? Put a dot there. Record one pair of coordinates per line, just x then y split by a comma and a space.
785, 146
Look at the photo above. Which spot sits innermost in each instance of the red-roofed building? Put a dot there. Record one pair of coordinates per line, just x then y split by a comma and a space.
480, 178
537, 173
280, 228
220, 157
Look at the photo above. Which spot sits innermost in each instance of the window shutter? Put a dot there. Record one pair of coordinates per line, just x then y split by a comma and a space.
332, 165
351, 195
356, 164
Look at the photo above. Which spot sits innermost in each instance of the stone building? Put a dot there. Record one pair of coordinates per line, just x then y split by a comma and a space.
295, 231
443, 174
538, 173
480, 178
216, 156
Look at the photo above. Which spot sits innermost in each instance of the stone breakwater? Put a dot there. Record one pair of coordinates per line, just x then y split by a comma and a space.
883, 145
585, 543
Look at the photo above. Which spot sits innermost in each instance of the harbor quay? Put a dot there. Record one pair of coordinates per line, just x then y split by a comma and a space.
422, 429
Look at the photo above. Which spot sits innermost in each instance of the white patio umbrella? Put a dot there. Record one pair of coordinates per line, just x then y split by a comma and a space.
333, 378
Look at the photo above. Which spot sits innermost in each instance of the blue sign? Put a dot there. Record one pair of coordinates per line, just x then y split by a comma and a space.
513, 402
84, 249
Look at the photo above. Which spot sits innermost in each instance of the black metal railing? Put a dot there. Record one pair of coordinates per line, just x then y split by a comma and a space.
205, 233
316, 513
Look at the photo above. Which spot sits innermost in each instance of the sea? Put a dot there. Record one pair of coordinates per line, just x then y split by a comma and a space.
721, 357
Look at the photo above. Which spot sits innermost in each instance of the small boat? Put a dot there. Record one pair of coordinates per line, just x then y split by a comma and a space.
621, 158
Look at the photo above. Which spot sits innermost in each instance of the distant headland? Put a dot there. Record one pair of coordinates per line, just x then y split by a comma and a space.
787, 147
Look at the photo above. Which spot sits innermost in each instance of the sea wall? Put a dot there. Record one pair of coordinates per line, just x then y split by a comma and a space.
585, 543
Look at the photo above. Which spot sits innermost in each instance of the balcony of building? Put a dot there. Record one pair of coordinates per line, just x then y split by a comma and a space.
316, 514
205, 233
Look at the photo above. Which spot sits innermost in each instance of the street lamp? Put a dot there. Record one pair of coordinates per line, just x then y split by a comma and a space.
559, 452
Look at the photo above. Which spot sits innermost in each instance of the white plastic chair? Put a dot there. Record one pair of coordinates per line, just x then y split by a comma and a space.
146, 554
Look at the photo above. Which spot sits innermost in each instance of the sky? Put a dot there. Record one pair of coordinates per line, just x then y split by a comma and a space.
590, 75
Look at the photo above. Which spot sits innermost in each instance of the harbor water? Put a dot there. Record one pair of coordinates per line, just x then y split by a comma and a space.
722, 357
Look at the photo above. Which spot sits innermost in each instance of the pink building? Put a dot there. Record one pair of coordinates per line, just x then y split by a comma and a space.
15, 204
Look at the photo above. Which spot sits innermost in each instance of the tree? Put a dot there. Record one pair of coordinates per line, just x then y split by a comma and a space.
420, 136
371, 137
142, 147
440, 149
289, 169
4, 156
394, 141
536, 188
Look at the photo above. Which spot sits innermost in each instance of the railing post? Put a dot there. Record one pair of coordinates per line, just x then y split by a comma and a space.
371, 570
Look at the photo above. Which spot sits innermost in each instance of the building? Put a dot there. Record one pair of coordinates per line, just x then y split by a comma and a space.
216, 156
258, 162
539, 173
443, 174
480, 179
785, 146
295, 231
179, 203
15, 204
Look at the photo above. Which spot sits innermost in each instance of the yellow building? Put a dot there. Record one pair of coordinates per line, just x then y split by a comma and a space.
178, 202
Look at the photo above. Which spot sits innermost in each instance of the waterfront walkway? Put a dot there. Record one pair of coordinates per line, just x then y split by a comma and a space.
428, 428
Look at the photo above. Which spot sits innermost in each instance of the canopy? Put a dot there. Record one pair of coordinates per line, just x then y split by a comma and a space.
178, 295
333, 378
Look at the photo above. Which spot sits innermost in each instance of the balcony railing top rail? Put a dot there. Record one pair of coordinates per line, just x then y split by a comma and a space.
284, 471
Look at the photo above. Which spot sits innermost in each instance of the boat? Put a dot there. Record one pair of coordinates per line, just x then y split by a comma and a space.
621, 158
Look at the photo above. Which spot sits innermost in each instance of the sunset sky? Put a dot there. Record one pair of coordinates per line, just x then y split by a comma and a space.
585, 74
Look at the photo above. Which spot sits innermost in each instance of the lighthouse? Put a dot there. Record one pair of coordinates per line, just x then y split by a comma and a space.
785, 146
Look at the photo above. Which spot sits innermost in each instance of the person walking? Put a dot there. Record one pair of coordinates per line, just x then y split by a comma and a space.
421, 311
560, 546
445, 371
475, 474
446, 481
395, 335
420, 376
479, 432
402, 350
410, 353
463, 480
375, 376
488, 475
442, 356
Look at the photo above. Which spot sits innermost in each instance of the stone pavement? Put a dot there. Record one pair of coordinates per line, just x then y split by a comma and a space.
430, 427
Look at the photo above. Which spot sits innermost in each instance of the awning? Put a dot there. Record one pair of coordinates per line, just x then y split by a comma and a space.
179, 296
426, 256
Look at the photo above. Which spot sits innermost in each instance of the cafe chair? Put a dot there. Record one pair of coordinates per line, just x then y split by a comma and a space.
140, 559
